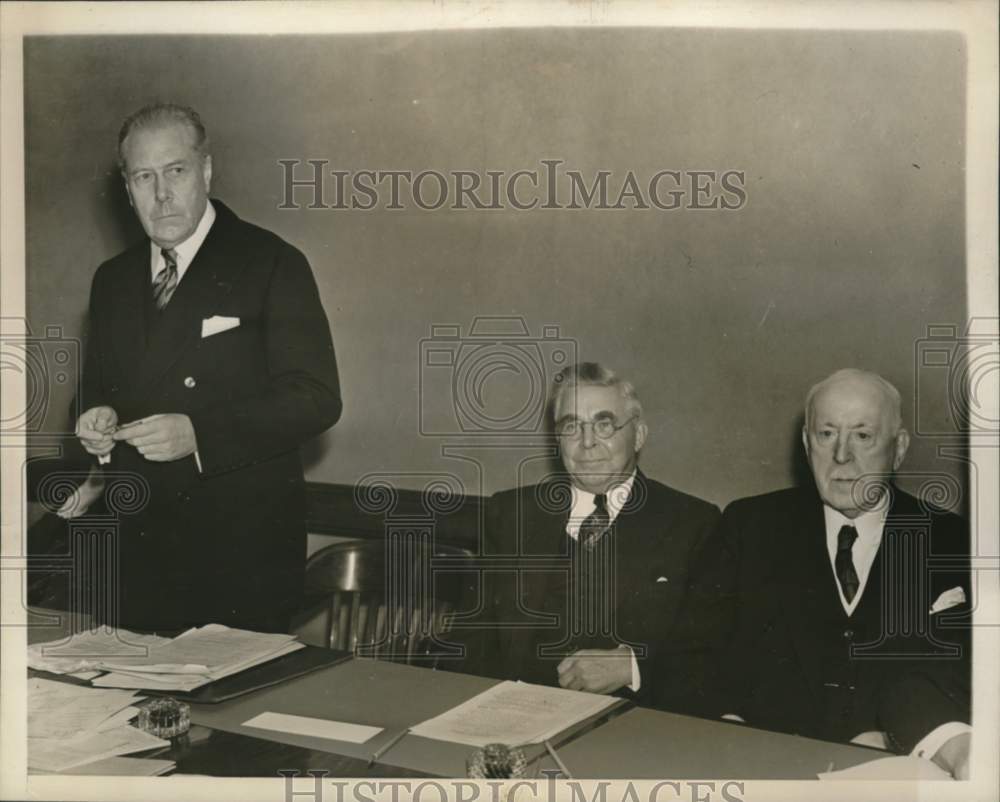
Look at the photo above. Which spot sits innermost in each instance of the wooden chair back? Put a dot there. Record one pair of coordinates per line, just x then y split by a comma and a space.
386, 599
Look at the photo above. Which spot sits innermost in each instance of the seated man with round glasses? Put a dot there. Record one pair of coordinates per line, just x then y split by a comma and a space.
600, 555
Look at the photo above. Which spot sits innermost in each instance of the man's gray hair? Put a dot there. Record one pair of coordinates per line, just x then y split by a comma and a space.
595, 375
888, 390
158, 114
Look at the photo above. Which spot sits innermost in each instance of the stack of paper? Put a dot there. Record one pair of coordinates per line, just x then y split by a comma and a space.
70, 725
84, 651
195, 658
513, 713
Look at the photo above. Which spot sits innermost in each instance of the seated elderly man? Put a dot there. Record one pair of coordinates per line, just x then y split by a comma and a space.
586, 572
838, 591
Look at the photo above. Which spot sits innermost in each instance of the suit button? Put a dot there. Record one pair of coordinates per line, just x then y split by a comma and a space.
114, 388
848, 634
189, 382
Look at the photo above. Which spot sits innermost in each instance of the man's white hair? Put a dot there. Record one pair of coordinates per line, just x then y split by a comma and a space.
892, 396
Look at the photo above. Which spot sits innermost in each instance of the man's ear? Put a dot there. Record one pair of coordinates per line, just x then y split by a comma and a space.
902, 444
206, 172
805, 440
128, 191
641, 430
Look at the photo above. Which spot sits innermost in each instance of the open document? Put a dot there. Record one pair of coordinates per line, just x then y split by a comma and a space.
513, 713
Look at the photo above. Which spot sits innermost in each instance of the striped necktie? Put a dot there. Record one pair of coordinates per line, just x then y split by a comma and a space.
166, 280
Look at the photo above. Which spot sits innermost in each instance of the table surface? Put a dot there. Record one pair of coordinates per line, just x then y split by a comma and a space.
636, 743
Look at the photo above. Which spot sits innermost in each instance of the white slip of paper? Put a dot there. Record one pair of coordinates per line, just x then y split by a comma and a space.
315, 727
513, 713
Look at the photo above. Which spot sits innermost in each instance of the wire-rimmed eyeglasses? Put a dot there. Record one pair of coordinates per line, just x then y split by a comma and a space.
604, 428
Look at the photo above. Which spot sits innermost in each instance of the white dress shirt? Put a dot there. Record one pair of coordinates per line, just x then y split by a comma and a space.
870, 526
582, 506
186, 250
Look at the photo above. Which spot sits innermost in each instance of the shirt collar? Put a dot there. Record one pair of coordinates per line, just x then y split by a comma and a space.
583, 504
869, 524
187, 250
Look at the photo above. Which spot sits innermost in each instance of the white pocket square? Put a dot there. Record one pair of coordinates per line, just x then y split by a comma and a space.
218, 323
661, 579
949, 598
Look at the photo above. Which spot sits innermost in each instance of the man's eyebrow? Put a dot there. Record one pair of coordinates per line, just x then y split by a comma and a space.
173, 163
599, 415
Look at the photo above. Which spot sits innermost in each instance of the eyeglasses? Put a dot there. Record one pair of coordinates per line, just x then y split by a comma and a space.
604, 428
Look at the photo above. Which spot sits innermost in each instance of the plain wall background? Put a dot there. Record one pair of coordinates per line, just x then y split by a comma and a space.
850, 245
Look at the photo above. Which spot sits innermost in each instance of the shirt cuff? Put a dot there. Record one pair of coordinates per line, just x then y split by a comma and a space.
938, 737
197, 461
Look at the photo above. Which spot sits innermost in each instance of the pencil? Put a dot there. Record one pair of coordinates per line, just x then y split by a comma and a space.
559, 763
382, 750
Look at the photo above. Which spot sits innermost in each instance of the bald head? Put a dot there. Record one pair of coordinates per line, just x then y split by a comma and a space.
854, 439
863, 381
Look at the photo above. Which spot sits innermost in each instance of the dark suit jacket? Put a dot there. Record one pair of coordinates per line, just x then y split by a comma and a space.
228, 543
789, 659
529, 591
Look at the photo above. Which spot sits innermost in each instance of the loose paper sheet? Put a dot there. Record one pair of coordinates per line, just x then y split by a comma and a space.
513, 713
50, 754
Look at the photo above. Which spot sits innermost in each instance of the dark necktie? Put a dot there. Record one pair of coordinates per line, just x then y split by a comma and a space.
596, 524
166, 280
844, 563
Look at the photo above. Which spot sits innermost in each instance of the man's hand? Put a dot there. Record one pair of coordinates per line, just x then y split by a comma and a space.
953, 756
160, 438
596, 670
79, 500
94, 429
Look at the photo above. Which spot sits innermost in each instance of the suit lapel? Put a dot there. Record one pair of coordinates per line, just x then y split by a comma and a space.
817, 593
208, 279
543, 534
128, 314
638, 522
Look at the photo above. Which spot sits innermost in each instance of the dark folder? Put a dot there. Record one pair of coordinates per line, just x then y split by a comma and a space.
295, 664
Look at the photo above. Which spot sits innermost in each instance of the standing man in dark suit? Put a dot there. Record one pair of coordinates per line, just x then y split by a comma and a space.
839, 591
209, 362
586, 571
